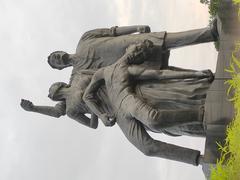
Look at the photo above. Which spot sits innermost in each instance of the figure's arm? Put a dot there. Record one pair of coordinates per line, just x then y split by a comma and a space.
97, 33
143, 73
83, 119
136, 53
55, 111
115, 31
91, 90
90, 98
87, 72
124, 30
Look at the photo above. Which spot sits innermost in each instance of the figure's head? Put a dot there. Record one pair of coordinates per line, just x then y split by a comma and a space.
59, 60
55, 92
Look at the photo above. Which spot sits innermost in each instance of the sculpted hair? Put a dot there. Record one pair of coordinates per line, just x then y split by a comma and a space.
55, 87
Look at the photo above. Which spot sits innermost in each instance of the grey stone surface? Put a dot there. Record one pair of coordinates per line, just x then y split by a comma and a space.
178, 104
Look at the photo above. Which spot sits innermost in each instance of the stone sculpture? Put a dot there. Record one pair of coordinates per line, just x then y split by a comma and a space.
107, 78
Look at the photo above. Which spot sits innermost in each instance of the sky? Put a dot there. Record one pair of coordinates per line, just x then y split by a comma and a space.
34, 146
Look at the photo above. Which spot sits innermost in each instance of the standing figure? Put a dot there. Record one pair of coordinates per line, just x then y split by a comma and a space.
134, 116
120, 84
70, 103
102, 47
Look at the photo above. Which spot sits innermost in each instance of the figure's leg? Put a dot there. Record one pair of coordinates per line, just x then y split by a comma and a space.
174, 68
137, 135
176, 117
192, 37
159, 118
142, 73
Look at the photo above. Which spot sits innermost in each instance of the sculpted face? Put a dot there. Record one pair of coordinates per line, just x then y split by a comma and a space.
59, 60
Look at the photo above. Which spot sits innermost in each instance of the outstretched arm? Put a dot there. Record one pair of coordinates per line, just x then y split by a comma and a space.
124, 30
115, 31
83, 119
55, 111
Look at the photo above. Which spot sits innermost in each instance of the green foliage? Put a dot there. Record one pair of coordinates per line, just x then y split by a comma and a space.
205, 2
228, 166
213, 7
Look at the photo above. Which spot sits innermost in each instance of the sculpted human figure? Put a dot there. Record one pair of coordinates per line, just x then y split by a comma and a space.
134, 130
102, 47
70, 97
134, 116
119, 85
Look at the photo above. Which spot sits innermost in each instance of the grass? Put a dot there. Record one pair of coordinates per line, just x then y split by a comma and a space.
228, 166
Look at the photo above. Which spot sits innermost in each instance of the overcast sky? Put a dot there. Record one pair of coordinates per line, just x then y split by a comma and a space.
37, 147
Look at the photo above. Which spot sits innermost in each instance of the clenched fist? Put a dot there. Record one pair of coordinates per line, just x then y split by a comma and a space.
27, 105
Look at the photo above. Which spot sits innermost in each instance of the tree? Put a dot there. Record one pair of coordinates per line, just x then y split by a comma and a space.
205, 1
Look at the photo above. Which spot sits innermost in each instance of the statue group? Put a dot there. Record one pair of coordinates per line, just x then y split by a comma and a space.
121, 75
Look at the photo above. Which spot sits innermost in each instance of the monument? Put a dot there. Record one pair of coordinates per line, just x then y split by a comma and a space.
125, 79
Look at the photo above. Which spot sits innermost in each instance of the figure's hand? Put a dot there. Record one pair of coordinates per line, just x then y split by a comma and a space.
137, 53
144, 29
27, 105
107, 120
